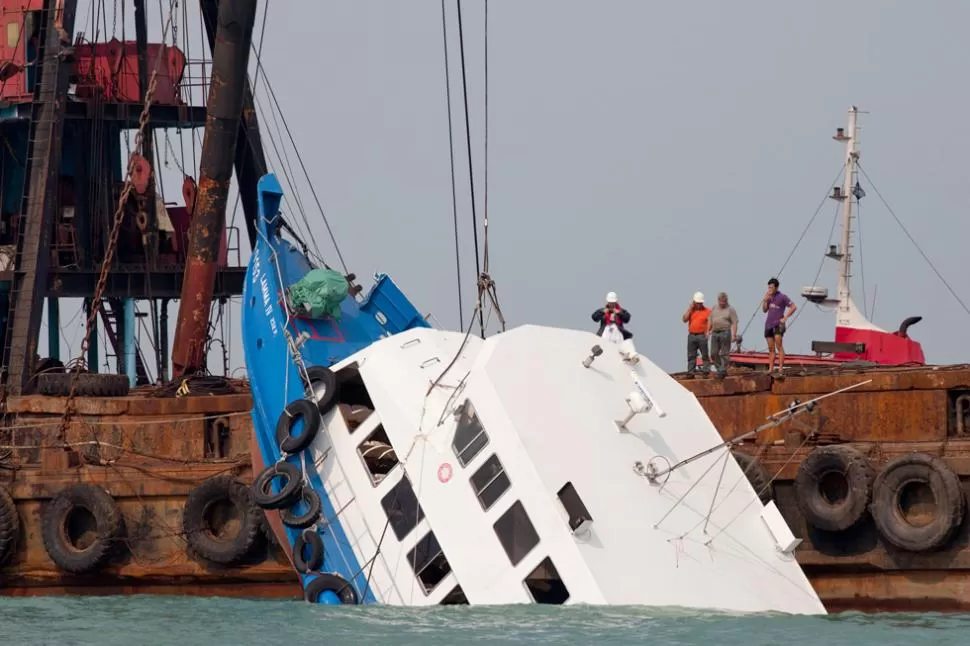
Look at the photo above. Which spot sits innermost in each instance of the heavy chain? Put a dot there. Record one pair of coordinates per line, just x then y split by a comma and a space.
69, 408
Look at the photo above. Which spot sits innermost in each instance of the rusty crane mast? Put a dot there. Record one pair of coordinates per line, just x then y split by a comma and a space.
69, 101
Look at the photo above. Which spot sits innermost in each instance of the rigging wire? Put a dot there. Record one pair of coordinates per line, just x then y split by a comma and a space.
485, 218
818, 210
471, 174
821, 265
862, 267
911, 239
451, 154
306, 174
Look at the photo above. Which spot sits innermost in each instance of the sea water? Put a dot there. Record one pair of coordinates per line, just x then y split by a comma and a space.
187, 621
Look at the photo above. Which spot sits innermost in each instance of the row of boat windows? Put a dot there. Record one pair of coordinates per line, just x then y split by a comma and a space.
514, 529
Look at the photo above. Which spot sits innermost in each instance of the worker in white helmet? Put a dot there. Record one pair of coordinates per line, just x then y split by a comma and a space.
612, 314
696, 318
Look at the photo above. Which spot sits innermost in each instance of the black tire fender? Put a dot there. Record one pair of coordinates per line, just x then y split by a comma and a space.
289, 492
301, 409
334, 583
323, 383
833, 487
891, 492
756, 474
197, 520
81, 502
9, 525
308, 539
89, 384
307, 518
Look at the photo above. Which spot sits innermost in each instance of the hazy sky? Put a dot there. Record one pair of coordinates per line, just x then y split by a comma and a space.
649, 148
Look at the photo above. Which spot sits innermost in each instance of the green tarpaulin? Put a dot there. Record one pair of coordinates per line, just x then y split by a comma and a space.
319, 293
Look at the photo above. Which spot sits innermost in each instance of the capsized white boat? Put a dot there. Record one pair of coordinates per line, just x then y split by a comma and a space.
508, 471
538, 465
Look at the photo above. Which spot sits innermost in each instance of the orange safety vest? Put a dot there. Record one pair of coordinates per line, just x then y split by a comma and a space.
697, 323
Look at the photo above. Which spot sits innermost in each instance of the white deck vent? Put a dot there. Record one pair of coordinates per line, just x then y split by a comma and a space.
785, 541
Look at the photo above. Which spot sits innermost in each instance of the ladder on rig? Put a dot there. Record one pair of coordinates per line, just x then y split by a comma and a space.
29, 286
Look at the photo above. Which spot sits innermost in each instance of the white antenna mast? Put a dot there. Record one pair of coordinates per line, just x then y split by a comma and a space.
844, 253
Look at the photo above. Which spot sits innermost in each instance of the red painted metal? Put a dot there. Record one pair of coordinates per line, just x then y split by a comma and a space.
141, 172
111, 70
884, 348
108, 69
761, 359
13, 45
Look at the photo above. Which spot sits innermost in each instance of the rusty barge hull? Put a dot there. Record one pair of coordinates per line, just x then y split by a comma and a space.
149, 454
901, 411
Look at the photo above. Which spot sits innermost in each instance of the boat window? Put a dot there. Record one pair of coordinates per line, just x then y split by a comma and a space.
402, 508
573, 504
378, 454
516, 533
428, 562
470, 436
455, 598
489, 482
545, 585
354, 401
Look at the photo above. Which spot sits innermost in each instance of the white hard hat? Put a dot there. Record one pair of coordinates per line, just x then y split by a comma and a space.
698, 297
611, 297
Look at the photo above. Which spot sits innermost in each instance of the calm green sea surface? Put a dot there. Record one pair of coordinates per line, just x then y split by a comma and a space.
188, 621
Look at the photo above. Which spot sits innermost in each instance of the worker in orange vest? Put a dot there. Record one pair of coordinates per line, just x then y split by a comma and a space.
696, 318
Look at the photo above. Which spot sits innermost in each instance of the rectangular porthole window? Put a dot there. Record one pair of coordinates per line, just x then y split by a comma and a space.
378, 454
545, 585
353, 400
455, 598
428, 562
402, 508
470, 436
489, 482
516, 533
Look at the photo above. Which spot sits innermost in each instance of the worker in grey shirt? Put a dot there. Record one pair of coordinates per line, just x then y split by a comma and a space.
722, 328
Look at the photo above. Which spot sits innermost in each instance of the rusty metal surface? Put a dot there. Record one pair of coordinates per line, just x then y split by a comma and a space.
250, 159
223, 112
148, 453
901, 404
902, 410
925, 591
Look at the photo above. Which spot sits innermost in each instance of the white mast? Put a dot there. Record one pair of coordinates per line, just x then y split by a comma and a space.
847, 314
845, 250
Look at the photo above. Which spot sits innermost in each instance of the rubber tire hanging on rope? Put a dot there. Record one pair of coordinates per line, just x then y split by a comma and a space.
843, 469
9, 525
301, 409
57, 516
304, 520
197, 520
333, 583
887, 506
289, 492
320, 377
756, 474
308, 539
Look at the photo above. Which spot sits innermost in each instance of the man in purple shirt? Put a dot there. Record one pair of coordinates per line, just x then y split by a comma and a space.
775, 304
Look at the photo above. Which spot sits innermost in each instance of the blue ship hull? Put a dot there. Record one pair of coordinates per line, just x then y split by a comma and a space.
277, 381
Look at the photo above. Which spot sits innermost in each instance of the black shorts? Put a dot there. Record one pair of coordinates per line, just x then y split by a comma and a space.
772, 332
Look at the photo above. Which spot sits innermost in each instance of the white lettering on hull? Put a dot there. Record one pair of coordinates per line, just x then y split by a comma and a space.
262, 281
